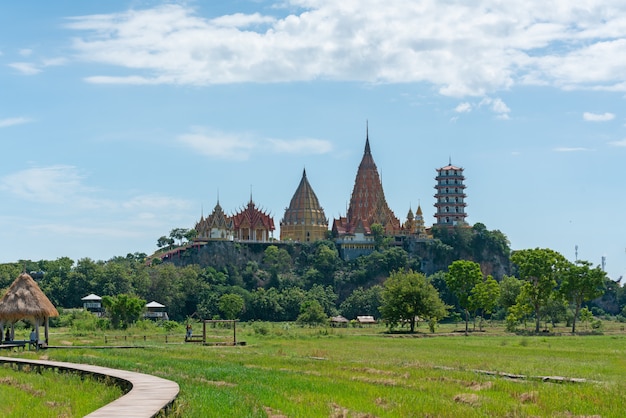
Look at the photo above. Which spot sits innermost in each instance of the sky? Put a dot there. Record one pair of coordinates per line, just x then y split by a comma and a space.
122, 120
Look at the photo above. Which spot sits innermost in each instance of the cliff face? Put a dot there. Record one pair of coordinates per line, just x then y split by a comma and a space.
435, 255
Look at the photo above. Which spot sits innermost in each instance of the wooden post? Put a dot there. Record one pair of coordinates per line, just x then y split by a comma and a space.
204, 332
234, 332
45, 331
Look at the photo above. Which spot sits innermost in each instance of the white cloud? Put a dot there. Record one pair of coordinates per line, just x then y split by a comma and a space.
620, 143
239, 147
218, 145
463, 107
55, 184
4, 123
462, 49
598, 117
25, 52
301, 146
26, 68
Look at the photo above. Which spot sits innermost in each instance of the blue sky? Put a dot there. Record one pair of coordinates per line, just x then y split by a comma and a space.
121, 120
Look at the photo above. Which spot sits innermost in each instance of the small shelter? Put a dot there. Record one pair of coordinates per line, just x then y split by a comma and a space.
155, 310
365, 320
93, 303
25, 300
339, 321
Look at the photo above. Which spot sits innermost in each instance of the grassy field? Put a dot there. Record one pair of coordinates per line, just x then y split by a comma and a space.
285, 370
50, 394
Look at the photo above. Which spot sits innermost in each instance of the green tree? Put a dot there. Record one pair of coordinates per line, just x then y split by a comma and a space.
580, 284
408, 295
277, 260
231, 305
462, 276
484, 296
510, 288
123, 309
164, 241
362, 302
381, 240
312, 313
179, 234
539, 269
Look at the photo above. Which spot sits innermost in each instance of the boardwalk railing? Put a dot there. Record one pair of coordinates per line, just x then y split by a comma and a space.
145, 396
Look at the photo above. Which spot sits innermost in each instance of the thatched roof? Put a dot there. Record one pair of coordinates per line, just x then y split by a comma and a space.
25, 300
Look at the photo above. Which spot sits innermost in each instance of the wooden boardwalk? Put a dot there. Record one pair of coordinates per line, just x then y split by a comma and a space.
148, 394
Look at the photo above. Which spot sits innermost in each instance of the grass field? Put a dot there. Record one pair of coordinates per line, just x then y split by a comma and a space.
284, 370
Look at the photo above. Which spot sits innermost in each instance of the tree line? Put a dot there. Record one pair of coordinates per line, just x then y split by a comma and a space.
291, 282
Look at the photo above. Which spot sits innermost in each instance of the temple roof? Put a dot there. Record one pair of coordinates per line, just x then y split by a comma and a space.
304, 206
253, 218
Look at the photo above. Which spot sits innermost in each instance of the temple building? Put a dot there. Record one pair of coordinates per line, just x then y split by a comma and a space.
304, 219
414, 225
252, 224
450, 196
216, 226
367, 207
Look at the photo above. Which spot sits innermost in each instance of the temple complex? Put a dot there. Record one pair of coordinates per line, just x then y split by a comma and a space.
216, 226
450, 196
304, 219
252, 224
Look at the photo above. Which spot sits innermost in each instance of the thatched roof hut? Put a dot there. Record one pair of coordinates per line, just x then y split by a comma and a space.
25, 300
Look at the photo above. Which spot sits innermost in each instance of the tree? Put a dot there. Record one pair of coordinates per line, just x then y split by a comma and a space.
277, 260
231, 305
484, 296
312, 313
381, 240
462, 276
408, 295
539, 268
164, 241
582, 283
179, 234
362, 302
123, 309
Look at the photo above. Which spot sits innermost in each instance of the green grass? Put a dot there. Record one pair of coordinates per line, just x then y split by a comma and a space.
296, 372
51, 394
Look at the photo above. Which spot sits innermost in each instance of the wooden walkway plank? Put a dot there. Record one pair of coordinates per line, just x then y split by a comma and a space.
147, 397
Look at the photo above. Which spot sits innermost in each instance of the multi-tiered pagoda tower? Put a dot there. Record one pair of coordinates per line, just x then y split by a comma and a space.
304, 219
450, 196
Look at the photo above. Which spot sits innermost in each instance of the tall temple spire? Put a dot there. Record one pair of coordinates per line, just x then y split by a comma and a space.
367, 138
368, 204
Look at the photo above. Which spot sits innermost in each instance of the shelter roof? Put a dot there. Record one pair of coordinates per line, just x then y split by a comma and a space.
25, 300
91, 296
154, 304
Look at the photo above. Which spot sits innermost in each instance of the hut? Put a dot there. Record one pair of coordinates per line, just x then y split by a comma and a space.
155, 310
24, 300
339, 321
93, 303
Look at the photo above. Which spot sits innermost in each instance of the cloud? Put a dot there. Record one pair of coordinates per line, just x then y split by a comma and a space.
463, 107
572, 149
25, 68
218, 145
29, 68
239, 147
598, 117
5, 123
25, 52
301, 146
55, 184
620, 143
460, 49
